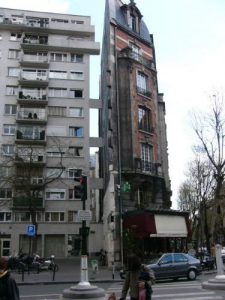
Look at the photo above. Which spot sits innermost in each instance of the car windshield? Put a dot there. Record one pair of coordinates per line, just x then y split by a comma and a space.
152, 259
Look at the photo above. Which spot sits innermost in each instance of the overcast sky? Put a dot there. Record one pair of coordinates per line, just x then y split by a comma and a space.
189, 37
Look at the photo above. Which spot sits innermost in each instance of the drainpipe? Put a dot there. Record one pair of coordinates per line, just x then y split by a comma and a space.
118, 149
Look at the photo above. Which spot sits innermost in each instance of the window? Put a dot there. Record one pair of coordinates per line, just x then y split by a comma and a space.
142, 84
58, 74
5, 193
57, 111
76, 112
15, 36
75, 93
135, 51
72, 216
167, 259
78, 58
74, 173
14, 72
144, 119
11, 90
5, 171
25, 217
10, 109
180, 258
55, 152
13, 54
55, 194
8, 149
59, 20
57, 92
147, 157
55, 173
5, 216
75, 151
76, 75
76, 131
58, 56
74, 193
54, 216
9, 129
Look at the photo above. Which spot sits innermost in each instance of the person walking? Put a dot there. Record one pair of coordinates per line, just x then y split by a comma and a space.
138, 280
8, 286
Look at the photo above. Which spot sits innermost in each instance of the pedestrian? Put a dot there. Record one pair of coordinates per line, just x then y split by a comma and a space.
8, 286
138, 280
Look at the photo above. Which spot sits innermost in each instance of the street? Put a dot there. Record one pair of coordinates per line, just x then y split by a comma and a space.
167, 290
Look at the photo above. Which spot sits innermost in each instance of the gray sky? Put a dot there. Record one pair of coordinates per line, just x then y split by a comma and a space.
189, 37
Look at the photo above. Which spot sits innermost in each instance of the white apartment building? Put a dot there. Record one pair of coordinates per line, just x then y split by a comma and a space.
44, 131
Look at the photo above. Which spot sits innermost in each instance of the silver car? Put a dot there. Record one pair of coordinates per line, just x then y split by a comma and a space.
176, 265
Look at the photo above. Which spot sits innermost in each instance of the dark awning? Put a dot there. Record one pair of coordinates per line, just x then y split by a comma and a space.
146, 225
141, 225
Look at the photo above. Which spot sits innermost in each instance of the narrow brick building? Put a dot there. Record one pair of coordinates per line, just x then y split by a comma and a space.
134, 158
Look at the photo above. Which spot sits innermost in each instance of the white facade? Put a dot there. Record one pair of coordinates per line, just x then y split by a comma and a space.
44, 114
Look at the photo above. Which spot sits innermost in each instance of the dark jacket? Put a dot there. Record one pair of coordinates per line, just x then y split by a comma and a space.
8, 287
131, 283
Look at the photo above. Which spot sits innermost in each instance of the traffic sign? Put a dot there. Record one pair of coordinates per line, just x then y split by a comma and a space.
84, 215
31, 230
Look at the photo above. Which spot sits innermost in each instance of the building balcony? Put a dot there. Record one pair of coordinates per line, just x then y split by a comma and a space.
26, 203
33, 99
30, 136
31, 116
45, 24
36, 160
150, 168
144, 92
35, 182
33, 79
30, 60
127, 52
81, 45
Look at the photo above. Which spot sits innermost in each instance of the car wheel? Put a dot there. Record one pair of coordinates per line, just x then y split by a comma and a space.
192, 274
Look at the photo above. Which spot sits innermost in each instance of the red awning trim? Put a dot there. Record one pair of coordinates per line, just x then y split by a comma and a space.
141, 225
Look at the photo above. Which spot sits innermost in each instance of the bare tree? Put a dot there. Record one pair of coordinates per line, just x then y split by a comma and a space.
210, 130
23, 174
195, 195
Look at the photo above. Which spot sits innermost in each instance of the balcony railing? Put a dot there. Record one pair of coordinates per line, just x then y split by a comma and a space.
31, 135
33, 96
26, 203
148, 167
34, 76
144, 92
32, 115
35, 40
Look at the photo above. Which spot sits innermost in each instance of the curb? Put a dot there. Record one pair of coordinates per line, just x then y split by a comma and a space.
67, 282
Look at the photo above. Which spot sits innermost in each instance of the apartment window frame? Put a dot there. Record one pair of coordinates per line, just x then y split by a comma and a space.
76, 131
12, 90
58, 57
10, 109
48, 216
76, 58
9, 129
58, 74
8, 149
76, 93
144, 119
6, 193
75, 151
55, 194
147, 156
15, 36
13, 54
57, 92
76, 75
143, 84
76, 112
74, 173
13, 71
5, 216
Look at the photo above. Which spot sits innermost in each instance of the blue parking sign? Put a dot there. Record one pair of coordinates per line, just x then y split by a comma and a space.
31, 230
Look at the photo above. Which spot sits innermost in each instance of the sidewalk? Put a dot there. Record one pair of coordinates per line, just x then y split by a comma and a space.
69, 272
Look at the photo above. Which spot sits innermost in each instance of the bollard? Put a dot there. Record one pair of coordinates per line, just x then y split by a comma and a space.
113, 270
219, 262
53, 273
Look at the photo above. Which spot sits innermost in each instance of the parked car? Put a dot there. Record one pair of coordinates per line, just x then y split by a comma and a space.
223, 254
176, 265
